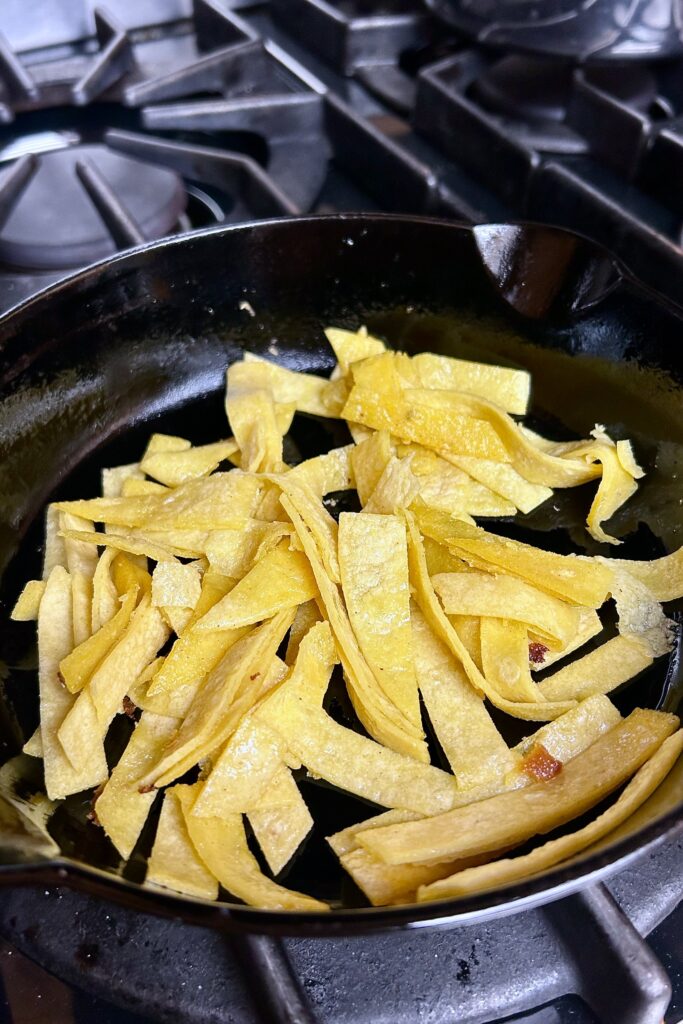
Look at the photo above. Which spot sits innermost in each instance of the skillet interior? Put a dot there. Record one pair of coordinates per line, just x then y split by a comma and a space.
141, 343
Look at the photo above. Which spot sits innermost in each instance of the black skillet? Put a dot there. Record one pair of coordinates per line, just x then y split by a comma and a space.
140, 342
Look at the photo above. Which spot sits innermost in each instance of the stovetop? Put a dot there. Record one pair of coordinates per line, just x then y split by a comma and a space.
152, 117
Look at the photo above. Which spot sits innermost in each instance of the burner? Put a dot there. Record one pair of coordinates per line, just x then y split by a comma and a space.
61, 219
523, 87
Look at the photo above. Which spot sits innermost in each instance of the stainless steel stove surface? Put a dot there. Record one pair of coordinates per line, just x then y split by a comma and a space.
159, 116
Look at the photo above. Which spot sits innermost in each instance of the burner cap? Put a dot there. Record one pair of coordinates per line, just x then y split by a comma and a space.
55, 224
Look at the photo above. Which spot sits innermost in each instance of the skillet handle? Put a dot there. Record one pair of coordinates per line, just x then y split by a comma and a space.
271, 980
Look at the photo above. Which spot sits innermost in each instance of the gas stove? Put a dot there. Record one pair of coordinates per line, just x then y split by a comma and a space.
154, 117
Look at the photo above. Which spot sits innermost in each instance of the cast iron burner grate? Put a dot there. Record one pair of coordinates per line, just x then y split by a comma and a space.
588, 944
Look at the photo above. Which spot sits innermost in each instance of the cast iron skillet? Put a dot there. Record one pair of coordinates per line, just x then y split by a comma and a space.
140, 342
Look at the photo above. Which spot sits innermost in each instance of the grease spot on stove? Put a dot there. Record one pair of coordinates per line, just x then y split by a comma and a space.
88, 954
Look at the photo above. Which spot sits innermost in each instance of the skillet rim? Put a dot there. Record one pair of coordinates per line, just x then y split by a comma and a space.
554, 884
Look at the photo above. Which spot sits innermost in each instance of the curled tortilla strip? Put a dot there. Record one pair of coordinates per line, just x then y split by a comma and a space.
55, 640
54, 548
475, 750
317, 518
304, 391
438, 621
307, 615
78, 666
396, 488
373, 559
663, 577
222, 845
502, 872
514, 817
600, 671
481, 594
640, 614
105, 597
282, 825
505, 659
588, 628
174, 863
121, 808
257, 421
281, 580
28, 603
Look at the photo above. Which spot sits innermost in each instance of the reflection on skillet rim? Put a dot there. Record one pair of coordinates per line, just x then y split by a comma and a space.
505, 250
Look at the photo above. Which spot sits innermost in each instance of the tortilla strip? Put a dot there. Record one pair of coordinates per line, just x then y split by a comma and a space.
307, 615
589, 627
78, 666
503, 872
663, 577
505, 659
55, 639
174, 863
281, 580
174, 468
244, 768
381, 718
280, 829
105, 597
305, 391
600, 671
373, 559
351, 346
176, 584
512, 818
480, 594
27, 604
368, 461
503, 479
326, 473
436, 617
234, 552
396, 488
222, 845
476, 751
121, 808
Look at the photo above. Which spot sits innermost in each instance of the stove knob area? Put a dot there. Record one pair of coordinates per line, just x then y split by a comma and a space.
596, 30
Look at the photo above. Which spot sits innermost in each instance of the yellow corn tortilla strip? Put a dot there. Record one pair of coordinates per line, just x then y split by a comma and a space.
627, 458
129, 573
468, 628
508, 388
281, 580
138, 545
105, 596
441, 559
318, 520
137, 688
423, 416
373, 559
280, 829
663, 577
583, 581
244, 768
34, 744
381, 718
174, 863
133, 487
351, 346
80, 558
234, 552
166, 443
28, 603
342, 757
600, 671
503, 479
480, 594
446, 487
326, 473
79, 665
304, 391
503, 872
514, 817
177, 619
397, 488
114, 479
222, 845
216, 704
210, 503
307, 615
434, 614
176, 467
176, 584
54, 549
253, 416
475, 750
575, 731
55, 640
346, 839
81, 595
505, 659
121, 808
369, 460
589, 627
101, 699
